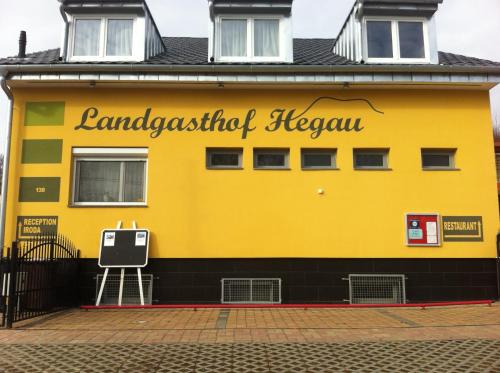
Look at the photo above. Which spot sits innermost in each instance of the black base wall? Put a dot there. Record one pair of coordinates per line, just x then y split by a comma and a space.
198, 281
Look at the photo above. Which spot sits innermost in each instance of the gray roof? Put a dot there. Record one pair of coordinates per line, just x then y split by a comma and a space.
185, 51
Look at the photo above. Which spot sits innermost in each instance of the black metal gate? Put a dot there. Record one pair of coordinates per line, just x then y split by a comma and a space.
39, 276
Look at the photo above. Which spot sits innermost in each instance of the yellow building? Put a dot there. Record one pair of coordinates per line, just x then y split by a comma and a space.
253, 155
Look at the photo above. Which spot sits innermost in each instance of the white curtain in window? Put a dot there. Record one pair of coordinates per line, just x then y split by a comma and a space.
119, 39
134, 182
87, 37
98, 181
266, 36
234, 37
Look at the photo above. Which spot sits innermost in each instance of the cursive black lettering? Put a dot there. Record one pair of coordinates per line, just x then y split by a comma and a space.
92, 113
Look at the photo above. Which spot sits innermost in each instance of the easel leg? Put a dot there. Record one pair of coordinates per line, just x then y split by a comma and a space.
102, 287
122, 279
139, 277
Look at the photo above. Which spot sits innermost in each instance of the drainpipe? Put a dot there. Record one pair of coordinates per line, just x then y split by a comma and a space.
212, 19
66, 30
498, 266
6, 161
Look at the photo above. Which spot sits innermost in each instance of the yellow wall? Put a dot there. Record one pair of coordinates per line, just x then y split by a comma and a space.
193, 212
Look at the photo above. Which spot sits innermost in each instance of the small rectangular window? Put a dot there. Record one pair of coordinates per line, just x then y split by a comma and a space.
249, 38
271, 158
438, 159
119, 38
224, 158
411, 40
87, 37
234, 37
379, 36
371, 159
392, 40
108, 177
103, 38
318, 159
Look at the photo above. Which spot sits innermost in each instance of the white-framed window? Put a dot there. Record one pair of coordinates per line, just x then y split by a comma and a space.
109, 176
400, 40
250, 38
438, 159
371, 159
318, 159
224, 158
103, 38
271, 159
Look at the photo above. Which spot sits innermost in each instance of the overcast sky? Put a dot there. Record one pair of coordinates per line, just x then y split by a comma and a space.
464, 27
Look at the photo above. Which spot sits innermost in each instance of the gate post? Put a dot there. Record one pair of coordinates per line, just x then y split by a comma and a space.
52, 275
5, 263
12, 285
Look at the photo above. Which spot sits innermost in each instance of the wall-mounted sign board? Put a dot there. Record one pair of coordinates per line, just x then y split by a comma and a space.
39, 189
124, 248
30, 226
462, 228
423, 230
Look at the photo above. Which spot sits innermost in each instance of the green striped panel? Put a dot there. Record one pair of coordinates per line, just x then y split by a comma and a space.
42, 151
39, 189
44, 114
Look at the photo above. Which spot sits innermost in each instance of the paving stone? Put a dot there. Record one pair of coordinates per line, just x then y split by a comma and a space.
410, 356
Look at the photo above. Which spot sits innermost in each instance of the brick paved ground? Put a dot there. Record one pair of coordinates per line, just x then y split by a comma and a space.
453, 339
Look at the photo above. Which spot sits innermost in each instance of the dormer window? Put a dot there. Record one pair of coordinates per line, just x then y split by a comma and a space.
103, 38
252, 39
401, 40
390, 32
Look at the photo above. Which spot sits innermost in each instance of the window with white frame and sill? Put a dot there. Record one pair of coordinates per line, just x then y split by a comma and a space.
397, 41
103, 38
109, 176
257, 39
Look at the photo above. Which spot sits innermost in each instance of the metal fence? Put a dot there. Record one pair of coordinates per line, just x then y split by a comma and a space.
251, 290
131, 295
377, 289
39, 276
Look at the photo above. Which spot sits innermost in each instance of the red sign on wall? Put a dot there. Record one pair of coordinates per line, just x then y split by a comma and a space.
422, 230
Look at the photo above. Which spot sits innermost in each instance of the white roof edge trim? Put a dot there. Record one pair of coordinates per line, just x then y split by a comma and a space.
321, 78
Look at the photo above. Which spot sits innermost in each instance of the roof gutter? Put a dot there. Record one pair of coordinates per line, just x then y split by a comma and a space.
6, 161
66, 29
221, 68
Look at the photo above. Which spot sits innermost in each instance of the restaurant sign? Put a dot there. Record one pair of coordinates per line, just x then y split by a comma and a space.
462, 228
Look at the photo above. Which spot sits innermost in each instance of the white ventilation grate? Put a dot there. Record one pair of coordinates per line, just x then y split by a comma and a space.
130, 295
251, 290
377, 289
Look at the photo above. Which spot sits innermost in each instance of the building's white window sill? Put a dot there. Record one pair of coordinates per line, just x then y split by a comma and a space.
108, 204
104, 59
250, 60
398, 61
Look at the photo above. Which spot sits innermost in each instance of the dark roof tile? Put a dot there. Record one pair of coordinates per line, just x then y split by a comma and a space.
452, 59
194, 51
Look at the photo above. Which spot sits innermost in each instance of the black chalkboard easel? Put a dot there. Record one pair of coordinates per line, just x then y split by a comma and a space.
123, 248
